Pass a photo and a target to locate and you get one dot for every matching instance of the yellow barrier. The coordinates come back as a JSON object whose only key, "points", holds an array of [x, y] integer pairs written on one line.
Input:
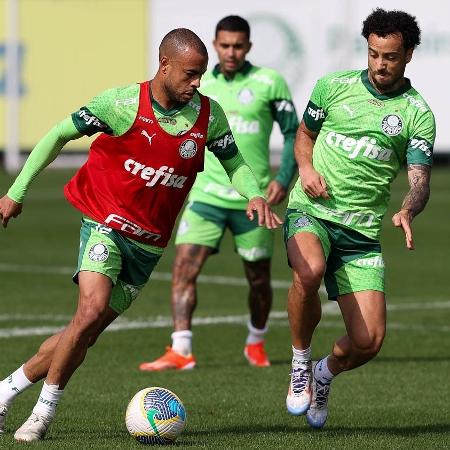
{"points": [[72, 50]]}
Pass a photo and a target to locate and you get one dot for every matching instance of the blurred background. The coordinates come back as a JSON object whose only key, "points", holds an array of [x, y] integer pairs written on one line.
{"points": [[55, 55]]}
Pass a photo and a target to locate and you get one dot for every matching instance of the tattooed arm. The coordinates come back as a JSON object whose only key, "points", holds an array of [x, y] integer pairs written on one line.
{"points": [[415, 200], [419, 181]]}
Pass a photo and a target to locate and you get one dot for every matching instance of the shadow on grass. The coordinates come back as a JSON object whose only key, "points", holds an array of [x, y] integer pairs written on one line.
{"points": [[406, 358], [121, 440], [382, 359], [329, 431], [281, 362]]}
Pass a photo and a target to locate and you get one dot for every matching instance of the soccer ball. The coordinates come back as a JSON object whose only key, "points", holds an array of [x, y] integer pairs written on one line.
{"points": [[155, 416]]}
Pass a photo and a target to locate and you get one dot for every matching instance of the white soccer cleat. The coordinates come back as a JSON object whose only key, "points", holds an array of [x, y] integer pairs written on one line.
{"points": [[33, 429], [299, 393], [318, 412], [3, 412]]}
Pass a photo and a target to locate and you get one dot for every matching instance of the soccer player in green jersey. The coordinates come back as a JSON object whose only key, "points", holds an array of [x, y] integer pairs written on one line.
{"points": [[357, 131], [253, 98], [112, 266]]}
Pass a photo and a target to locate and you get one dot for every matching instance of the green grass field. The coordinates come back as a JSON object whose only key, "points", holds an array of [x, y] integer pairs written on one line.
{"points": [[400, 400]]}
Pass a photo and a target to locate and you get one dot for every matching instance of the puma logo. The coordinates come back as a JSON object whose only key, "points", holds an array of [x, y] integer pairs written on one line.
{"points": [[350, 111], [144, 133]]}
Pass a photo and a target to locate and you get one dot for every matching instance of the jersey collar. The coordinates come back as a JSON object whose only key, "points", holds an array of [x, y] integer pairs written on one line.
{"points": [[244, 70], [401, 90], [167, 112]]}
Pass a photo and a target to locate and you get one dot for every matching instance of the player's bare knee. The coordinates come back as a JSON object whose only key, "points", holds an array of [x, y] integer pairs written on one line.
{"points": [[377, 343], [45, 350], [87, 318], [259, 282], [369, 346], [185, 271], [307, 282], [92, 340]]}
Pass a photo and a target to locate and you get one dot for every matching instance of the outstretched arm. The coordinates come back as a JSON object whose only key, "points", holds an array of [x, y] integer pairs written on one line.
{"points": [[415, 200], [46, 150]]}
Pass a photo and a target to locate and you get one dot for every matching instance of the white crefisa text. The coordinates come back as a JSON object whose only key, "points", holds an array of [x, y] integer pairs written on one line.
{"points": [[164, 175]]}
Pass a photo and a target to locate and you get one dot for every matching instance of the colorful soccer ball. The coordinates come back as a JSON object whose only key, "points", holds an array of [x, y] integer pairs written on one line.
{"points": [[155, 416]]}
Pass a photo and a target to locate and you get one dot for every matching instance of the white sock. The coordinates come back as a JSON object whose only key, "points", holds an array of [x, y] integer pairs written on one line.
{"points": [[301, 356], [182, 342], [255, 335], [13, 385], [322, 372], [48, 400]]}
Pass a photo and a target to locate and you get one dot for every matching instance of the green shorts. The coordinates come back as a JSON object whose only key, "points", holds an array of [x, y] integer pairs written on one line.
{"points": [[128, 265], [204, 224], [354, 261]]}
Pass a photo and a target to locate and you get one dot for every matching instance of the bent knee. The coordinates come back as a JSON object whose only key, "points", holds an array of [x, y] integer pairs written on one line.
{"points": [[185, 271], [259, 281], [88, 316], [308, 279], [92, 340], [261, 286], [369, 346]]}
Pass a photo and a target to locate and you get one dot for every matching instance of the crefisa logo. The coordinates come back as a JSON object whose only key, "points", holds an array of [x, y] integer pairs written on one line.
{"points": [[188, 148], [392, 125]]}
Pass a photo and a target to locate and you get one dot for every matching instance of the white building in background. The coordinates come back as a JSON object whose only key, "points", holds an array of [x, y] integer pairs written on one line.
{"points": [[62, 64]]}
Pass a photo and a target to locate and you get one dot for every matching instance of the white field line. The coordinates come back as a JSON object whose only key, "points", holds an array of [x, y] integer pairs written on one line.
{"points": [[204, 279], [277, 318], [160, 276], [8, 333], [39, 270], [59, 318], [328, 309]]}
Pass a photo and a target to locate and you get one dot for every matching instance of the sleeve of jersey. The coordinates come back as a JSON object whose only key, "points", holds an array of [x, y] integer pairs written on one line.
{"points": [[241, 177], [419, 148], [284, 113], [315, 111], [45, 151], [97, 116], [220, 139]]}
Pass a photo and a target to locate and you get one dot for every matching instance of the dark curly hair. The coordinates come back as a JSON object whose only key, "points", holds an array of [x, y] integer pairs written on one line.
{"points": [[383, 23]]}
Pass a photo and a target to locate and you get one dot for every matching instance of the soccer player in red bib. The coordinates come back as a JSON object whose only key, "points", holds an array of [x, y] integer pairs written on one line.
{"points": [[130, 191]]}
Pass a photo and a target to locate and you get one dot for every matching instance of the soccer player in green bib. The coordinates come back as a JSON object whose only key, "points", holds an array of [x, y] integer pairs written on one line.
{"points": [[252, 98], [358, 129]]}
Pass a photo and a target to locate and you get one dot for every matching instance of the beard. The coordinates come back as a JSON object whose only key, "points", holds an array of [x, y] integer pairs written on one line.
{"points": [[388, 85], [177, 97]]}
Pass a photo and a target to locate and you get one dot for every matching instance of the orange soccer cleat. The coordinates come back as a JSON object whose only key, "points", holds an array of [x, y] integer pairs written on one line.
{"points": [[256, 355], [170, 360]]}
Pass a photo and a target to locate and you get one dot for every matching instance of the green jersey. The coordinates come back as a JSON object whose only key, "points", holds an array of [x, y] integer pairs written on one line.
{"points": [[252, 101], [364, 138], [114, 112]]}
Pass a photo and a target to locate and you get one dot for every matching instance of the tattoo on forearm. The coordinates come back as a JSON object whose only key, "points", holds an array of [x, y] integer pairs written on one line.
{"points": [[419, 192]]}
